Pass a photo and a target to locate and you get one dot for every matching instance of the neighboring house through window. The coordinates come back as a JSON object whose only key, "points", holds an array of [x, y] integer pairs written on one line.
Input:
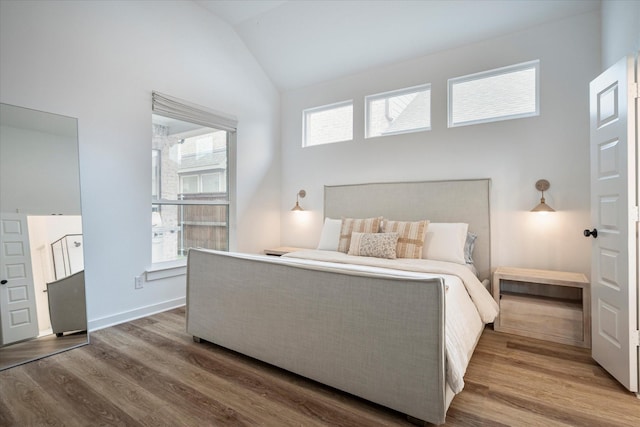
{"points": [[327, 124], [398, 111]]}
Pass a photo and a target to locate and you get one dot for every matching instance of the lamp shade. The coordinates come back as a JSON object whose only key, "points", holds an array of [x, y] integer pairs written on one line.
{"points": [[543, 207]]}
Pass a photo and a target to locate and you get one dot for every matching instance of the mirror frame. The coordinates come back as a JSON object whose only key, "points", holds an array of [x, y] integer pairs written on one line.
{"points": [[27, 201]]}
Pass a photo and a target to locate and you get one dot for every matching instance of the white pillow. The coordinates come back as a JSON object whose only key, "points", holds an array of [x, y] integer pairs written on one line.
{"points": [[445, 241], [330, 235]]}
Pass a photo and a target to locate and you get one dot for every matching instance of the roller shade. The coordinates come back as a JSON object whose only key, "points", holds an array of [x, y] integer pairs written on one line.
{"points": [[179, 109]]}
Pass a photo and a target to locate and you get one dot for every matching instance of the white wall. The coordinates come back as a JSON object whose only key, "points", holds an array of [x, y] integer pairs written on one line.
{"points": [[514, 153], [99, 61], [620, 30], [38, 172]]}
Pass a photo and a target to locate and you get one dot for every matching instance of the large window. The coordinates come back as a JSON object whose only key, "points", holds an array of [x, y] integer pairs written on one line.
{"points": [[505, 93], [327, 124], [190, 184], [399, 111]]}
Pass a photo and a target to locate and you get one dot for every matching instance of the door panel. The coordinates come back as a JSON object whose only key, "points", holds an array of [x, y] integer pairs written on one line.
{"points": [[613, 199], [17, 296]]}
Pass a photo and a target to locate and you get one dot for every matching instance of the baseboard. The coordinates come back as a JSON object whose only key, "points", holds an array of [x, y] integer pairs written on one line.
{"points": [[128, 316]]}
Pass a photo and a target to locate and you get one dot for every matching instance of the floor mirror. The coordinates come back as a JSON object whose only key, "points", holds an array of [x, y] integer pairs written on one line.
{"points": [[42, 287]]}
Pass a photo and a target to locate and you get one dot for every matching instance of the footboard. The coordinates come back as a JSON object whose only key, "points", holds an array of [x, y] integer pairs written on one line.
{"points": [[377, 337]]}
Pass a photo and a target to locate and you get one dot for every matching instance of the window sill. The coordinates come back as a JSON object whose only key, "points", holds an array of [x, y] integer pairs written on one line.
{"points": [[164, 270]]}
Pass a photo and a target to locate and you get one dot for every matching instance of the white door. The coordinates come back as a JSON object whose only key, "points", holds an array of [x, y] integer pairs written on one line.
{"points": [[18, 314], [614, 259]]}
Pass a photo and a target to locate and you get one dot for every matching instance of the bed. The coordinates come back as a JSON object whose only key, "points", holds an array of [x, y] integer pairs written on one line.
{"points": [[398, 332]]}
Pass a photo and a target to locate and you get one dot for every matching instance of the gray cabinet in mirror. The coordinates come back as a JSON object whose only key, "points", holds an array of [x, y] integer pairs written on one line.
{"points": [[42, 288]]}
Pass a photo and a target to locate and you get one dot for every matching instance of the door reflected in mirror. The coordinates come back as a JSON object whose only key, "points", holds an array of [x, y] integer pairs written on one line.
{"points": [[42, 290]]}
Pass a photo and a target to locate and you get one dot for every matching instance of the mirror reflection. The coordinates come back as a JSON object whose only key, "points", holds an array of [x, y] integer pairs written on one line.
{"points": [[42, 289]]}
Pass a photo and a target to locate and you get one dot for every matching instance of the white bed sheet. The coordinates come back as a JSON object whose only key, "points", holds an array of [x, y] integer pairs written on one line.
{"points": [[468, 304]]}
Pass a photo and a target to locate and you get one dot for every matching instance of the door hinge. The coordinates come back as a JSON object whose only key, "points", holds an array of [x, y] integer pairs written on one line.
{"points": [[635, 214], [635, 90], [637, 338]]}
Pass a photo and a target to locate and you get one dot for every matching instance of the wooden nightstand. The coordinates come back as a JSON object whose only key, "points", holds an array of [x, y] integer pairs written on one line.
{"points": [[281, 250], [548, 305]]}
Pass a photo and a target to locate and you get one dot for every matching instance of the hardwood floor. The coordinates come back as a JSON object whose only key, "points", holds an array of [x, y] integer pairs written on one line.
{"points": [[150, 372], [15, 354]]}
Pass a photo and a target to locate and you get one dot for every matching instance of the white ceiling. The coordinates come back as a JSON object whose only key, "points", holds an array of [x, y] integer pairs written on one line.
{"points": [[302, 42]]}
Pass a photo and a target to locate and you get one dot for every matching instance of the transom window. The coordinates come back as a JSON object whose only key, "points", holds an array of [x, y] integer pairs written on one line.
{"points": [[398, 111], [327, 124], [505, 93]]}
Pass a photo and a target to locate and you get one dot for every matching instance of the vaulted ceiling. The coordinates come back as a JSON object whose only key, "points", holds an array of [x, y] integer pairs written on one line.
{"points": [[302, 42]]}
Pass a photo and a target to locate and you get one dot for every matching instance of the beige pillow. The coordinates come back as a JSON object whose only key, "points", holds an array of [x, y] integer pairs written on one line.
{"points": [[359, 225], [410, 237], [379, 245]]}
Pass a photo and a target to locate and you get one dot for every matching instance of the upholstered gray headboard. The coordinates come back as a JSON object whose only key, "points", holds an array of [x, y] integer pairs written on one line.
{"points": [[438, 201]]}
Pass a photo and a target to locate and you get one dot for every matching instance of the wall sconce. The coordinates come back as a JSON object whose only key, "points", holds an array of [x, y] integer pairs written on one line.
{"points": [[301, 194], [542, 185]]}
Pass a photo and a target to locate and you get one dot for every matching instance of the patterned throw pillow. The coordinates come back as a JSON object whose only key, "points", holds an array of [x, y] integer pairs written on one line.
{"points": [[361, 225], [379, 245], [411, 237]]}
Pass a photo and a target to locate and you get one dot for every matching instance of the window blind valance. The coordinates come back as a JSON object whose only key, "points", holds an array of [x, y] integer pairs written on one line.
{"points": [[179, 109]]}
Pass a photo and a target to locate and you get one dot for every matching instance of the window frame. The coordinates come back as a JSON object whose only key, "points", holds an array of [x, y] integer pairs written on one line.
{"points": [[321, 108], [176, 108], [391, 93], [157, 204], [535, 64], [156, 173]]}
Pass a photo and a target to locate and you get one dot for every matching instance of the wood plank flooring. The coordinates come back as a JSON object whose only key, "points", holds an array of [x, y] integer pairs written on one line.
{"points": [[149, 372], [15, 354]]}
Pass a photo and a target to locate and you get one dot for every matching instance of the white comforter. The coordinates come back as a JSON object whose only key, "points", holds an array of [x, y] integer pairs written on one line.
{"points": [[468, 304]]}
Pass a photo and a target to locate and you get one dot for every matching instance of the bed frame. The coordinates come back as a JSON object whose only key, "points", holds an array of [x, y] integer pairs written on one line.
{"points": [[378, 337]]}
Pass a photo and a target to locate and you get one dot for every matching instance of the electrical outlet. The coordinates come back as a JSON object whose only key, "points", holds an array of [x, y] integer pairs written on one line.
{"points": [[138, 282]]}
